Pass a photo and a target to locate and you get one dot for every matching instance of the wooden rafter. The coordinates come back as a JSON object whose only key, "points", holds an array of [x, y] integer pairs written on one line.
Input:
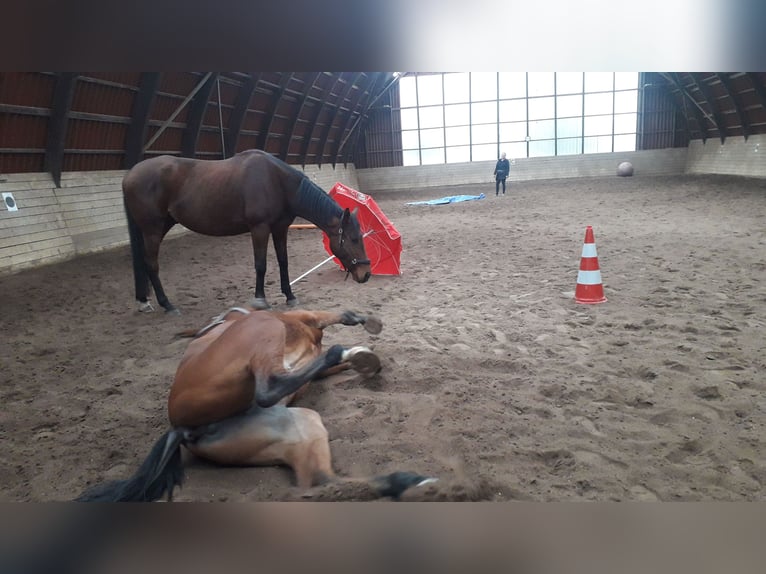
{"points": [[378, 93], [310, 84], [675, 82], [63, 95], [237, 117], [716, 118], [313, 122], [196, 116], [142, 105], [328, 126], [279, 93], [354, 110], [737, 101]]}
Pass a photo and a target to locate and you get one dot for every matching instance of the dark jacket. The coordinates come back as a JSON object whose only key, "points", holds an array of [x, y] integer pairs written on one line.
{"points": [[502, 169]]}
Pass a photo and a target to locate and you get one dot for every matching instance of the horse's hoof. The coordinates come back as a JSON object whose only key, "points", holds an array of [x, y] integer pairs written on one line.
{"points": [[396, 483], [373, 325], [259, 303], [145, 307], [363, 361], [293, 302]]}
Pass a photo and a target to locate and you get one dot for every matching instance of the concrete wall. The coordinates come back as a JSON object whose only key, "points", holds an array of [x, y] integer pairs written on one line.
{"points": [[734, 157], [648, 162], [84, 215], [327, 176]]}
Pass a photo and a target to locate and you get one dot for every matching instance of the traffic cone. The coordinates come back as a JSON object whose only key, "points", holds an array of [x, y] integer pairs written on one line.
{"points": [[589, 289]]}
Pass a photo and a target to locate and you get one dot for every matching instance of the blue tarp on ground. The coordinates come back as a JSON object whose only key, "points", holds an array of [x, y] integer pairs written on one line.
{"points": [[448, 199]]}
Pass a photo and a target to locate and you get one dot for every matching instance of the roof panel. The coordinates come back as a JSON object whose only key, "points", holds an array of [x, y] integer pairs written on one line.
{"points": [[305, 117]]}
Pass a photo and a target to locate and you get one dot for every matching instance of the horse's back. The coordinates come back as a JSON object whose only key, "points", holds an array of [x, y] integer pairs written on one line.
{"points": [[216, 375], [149, 171], [212, 197], [267, 339], [214, 379], [145, 188]]}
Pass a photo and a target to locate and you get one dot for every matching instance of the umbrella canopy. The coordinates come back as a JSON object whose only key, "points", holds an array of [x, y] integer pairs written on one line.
{"points": [[382, 241]]}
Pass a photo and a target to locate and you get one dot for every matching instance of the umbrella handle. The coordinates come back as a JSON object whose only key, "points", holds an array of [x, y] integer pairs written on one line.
{"points": [[315, 267], [330, 258]]}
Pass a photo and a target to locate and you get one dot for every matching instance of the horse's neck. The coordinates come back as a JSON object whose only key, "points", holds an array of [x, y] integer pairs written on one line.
{"points": [[314, 205]]}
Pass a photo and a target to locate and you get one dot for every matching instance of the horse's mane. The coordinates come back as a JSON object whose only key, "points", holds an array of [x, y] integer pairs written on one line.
{"points": [[310, 201], [313, 203]]}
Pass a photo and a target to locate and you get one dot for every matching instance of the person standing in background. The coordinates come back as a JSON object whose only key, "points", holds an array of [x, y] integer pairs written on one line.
{"points": [[502, 169]]}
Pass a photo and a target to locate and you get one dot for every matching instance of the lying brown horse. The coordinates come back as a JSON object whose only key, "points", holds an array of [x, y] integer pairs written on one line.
{"points": [[229, 402], [253, 192]]}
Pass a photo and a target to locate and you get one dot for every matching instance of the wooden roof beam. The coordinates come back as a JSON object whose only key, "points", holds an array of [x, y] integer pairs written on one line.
{"points": [[63, 94], [328, 126], [716, 118], [142, 105], [758, 87], [354, 109], [739, 107], [263, 136], [196, 116], [237, 118], [674, 80], [294, 123], [313, 123], [365, 118], [177, 111]]}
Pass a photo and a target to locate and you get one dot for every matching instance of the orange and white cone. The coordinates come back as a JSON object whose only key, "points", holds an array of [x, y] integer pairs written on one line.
{"points": [[589, 289]]}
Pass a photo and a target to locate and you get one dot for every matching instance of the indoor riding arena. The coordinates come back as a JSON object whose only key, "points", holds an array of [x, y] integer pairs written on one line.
{"points": [[520, 362]]}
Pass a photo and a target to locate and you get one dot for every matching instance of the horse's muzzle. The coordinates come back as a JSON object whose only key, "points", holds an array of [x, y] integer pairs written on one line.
{"points": [[361, 273]]}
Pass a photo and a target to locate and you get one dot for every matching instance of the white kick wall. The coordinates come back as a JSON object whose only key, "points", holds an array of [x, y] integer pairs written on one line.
{"points": [[86, 214]]}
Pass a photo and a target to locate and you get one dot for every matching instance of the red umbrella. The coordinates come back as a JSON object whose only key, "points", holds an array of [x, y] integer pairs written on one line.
{"points": [[382, 241]]}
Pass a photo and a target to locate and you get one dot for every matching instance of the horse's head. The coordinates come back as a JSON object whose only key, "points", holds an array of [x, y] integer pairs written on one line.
{"points": [[347, 244]]}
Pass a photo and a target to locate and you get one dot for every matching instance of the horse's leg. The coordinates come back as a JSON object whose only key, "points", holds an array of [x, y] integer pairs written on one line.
{"points": [[138, 255], [279, 234], [361, 359], [260, 238], [322, 319], [152, 242], [291, 436], [272, 383], [168, 225]]}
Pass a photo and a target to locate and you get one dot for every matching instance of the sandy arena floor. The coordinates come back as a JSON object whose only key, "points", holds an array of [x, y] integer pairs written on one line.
{"points": [[494, 379]]}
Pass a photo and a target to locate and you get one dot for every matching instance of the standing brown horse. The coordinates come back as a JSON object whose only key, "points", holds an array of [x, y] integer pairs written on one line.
{"points": [[250, 192], [229, 402]]}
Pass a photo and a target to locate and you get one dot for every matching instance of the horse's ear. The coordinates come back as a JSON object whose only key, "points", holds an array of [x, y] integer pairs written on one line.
{"points": [[346, 217]]}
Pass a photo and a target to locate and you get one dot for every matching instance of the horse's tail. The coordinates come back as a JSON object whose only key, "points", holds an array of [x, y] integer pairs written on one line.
{"points": [[138, 253], [160, 473]]}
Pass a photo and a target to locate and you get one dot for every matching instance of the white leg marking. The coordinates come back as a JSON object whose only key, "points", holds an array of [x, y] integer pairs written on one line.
{"points": [[145, 307], [348, 353]]}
